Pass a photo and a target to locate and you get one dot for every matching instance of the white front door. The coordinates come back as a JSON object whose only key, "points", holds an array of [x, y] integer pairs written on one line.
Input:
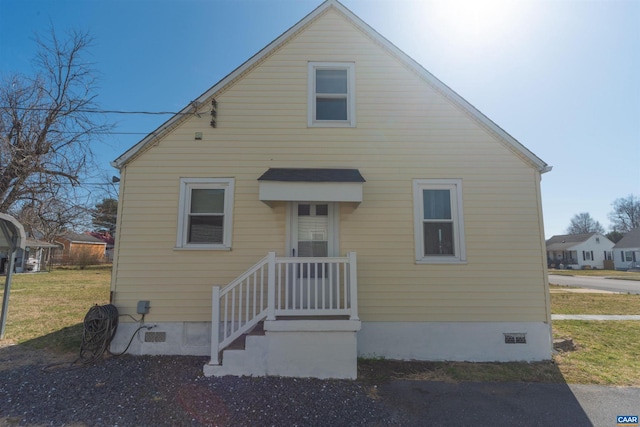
{"points": [[313, 233]]}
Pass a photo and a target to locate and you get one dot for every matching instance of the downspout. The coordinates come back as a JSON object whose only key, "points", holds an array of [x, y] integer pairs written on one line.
{"points": [[116, 244]]}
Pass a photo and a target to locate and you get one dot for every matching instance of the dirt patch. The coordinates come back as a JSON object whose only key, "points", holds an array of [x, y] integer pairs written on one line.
{"points": [[381, 371], [14, 356]]}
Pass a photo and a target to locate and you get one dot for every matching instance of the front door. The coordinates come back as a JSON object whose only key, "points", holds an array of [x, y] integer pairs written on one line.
{"points": [[313, 235]]}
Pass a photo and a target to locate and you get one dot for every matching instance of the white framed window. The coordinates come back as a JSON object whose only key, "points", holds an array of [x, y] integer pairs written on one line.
{"points": [[331, 94], [205, 213], [438, 221]]}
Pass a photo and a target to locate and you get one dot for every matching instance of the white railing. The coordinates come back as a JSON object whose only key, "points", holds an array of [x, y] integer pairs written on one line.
{"points": [[283, 287]]}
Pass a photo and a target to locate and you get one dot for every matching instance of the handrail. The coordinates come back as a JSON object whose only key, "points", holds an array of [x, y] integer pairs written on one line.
{"points": [[285, 286]]}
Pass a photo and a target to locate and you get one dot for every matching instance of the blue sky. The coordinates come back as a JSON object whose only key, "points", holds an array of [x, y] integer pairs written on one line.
{"points": [[562, 77]]}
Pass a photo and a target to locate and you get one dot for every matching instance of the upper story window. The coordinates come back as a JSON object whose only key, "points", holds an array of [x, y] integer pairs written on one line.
{"points": [[439, 225], [206, 213], [331, 94]]}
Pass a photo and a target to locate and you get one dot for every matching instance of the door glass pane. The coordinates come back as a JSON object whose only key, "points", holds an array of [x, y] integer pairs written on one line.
{"points": [[207, 200], [437, 204], [438, 238], [331, 108], [322, 210], [304, 210], [331, 81], [313, 249]]}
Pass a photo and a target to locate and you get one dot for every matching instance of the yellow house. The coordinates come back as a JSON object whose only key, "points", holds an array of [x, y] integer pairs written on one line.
{"points": [[335, 197]]}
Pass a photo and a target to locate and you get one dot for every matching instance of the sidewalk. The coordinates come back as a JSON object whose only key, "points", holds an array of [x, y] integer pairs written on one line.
{"points": [[595, 317]]}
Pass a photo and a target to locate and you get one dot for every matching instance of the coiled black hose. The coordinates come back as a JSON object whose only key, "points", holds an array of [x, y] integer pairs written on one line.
{"points": [[100, 326]]}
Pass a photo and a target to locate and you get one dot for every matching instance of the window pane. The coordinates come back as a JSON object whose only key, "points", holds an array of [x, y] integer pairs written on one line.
{"points": [[205, 229], [438, 238], [437, 204], [331, 109], [322, 210], [207, 201], [304, 210], [331, 81]]}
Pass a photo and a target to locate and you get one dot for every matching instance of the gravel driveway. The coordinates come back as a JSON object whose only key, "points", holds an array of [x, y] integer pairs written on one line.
{"points": [[171, 391]]}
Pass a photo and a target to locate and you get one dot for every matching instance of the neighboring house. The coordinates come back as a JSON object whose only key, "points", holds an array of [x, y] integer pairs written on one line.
{"points": [[34, 257], [626, 253], [109, 240], [37, 255], [77, 248], [579, 251], [336, 190]]}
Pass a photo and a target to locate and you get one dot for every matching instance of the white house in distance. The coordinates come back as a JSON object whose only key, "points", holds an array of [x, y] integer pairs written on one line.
{"points": [[579, 251], [626, 253], [335, 199]]}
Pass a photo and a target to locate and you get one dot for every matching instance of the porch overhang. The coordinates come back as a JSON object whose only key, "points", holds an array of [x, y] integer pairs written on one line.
{"points": [[311, 185]]}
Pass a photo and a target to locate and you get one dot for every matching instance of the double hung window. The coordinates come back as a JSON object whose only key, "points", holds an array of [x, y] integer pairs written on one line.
{"points": [[331, 94], [438, 221], [205, 215]]}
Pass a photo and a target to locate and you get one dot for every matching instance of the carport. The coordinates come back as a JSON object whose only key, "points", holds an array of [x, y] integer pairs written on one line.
{"points": [[12, 238]]}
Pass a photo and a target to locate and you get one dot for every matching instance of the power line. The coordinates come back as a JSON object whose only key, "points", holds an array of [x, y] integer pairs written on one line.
{"points": [[97, 111]]}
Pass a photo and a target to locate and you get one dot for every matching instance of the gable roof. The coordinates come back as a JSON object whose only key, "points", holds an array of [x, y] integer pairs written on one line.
{"points": [[204, 99], [565, 241], [81, 238], [630, 240], [34, 243]]}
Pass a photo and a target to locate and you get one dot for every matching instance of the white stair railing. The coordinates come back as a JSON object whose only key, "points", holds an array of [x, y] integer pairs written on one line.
{"points": [[282, 287]]}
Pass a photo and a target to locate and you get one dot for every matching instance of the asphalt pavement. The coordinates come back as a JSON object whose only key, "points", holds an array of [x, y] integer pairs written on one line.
{"points": [[601, 283], [435, 403]]}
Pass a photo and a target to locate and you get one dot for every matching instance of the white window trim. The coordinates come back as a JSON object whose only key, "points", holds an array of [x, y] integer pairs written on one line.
{"points": [[188, 184], [351, 99], [455, 186]]}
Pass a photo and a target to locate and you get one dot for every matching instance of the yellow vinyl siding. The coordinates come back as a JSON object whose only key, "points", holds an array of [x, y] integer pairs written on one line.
{"points": [[405, 130]]}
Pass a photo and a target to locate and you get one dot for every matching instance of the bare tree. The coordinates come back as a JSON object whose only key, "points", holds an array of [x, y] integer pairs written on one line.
{"points": [[51, 217], [47, 122], [626, 213], [582, 223]]}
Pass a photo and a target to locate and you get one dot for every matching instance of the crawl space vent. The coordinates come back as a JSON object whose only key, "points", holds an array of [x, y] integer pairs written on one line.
{"points": [[515, 338], [155, 337]]}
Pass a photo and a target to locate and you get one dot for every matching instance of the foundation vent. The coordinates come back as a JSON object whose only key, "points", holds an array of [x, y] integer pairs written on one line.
{"points": [[515, 338], [155, 337]]}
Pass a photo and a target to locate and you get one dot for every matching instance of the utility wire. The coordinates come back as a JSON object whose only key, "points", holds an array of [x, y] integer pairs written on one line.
{"points": [[90, 110]]}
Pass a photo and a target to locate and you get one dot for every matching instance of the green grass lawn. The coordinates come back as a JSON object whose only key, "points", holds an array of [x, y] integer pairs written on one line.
{"points": [[46, 310], [576, 303], [607, 352]]}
